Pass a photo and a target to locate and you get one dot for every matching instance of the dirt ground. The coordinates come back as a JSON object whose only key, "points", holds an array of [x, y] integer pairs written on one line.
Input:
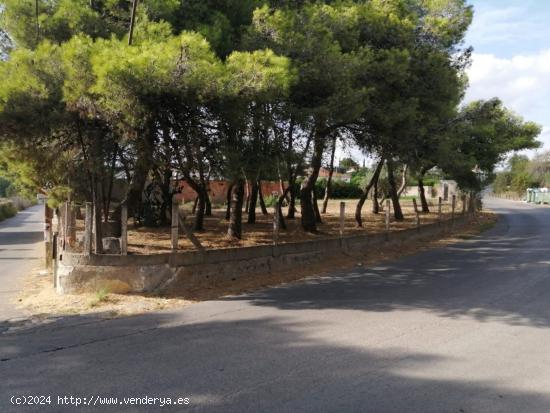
{"points": [[41, 302], [144, 240]]}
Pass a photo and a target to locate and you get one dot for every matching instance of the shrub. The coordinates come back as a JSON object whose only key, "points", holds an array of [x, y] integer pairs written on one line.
{"points": [[21, 203], [270, 201], [4, 184], [7, 210], [340, 190]]}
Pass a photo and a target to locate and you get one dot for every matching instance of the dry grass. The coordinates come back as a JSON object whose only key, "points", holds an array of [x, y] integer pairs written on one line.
{"points": [[40, 301]]}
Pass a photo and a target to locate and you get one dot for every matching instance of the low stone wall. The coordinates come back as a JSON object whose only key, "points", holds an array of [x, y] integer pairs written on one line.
{"points": [[78, 273]]}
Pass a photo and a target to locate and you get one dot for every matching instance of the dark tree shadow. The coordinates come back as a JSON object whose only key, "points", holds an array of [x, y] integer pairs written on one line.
{"points": [[246, 365]]}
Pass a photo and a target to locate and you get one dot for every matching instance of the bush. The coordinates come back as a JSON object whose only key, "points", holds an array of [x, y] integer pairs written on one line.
{"points": [[340, 190], [4, 184], [270, 201], [21, 203], [7, 210]]}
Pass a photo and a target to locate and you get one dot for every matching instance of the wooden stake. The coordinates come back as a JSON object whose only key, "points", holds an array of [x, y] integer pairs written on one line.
{"points": [[174, 234], [388, 207], [88, 229], [453, 206], [416, 215], [124, 229], [276, 223], [342, 217]]}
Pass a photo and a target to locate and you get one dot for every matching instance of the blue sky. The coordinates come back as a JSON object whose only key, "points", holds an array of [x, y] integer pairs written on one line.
{"points": [[511, 40], [511, 60]]}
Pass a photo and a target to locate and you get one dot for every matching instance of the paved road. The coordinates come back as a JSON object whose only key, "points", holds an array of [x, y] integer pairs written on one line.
{"points": [[20, 250], [460, 329]]}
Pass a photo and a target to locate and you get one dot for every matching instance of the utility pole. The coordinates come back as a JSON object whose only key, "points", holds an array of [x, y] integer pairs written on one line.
{"points": [[132, 22]]}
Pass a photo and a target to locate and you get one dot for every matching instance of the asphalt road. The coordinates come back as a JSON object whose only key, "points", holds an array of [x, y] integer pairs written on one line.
{"points": [[20, 251], [460, 329]]}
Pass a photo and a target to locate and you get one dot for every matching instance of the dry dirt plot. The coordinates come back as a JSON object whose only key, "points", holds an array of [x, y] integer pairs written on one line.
{"points": [[144, 240]]}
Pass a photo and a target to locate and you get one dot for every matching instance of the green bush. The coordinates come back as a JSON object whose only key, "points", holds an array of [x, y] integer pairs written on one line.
{"points": [[4, 184], [340, 190], [270, 201], [7, 210]]}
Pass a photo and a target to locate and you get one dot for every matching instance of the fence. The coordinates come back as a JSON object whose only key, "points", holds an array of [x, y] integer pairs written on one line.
{"points": [[78, 272]]}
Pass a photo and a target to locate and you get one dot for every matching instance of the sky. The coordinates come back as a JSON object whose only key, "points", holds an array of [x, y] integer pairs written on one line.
{"points": [[511, 60]]}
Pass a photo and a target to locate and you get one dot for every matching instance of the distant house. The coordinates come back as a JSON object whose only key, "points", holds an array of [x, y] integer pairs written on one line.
{"points": [[447, 188]]}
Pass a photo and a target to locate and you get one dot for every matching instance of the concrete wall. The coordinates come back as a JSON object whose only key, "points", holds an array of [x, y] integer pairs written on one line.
{"points": [[413, 191], [146, 273]]}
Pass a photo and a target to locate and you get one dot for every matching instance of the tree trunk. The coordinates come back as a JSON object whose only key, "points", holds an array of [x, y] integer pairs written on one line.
{"points": [[235, 220], [398, 214], [252, 203], [109, 194], [291, 213], [365, 194], [282, 223], [166, 197], [328, 186], [309, 219], [403, 180], [316, 207], [247, 203], [142, 168], [228, 206], [195, 204], [261, 197], [422, 193], [98, 236], [200, 210], [375, 205], [208, 202]]}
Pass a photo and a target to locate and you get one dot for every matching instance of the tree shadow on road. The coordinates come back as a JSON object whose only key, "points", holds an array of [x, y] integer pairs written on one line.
{"points": [[491, 277], [248, 365]]}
